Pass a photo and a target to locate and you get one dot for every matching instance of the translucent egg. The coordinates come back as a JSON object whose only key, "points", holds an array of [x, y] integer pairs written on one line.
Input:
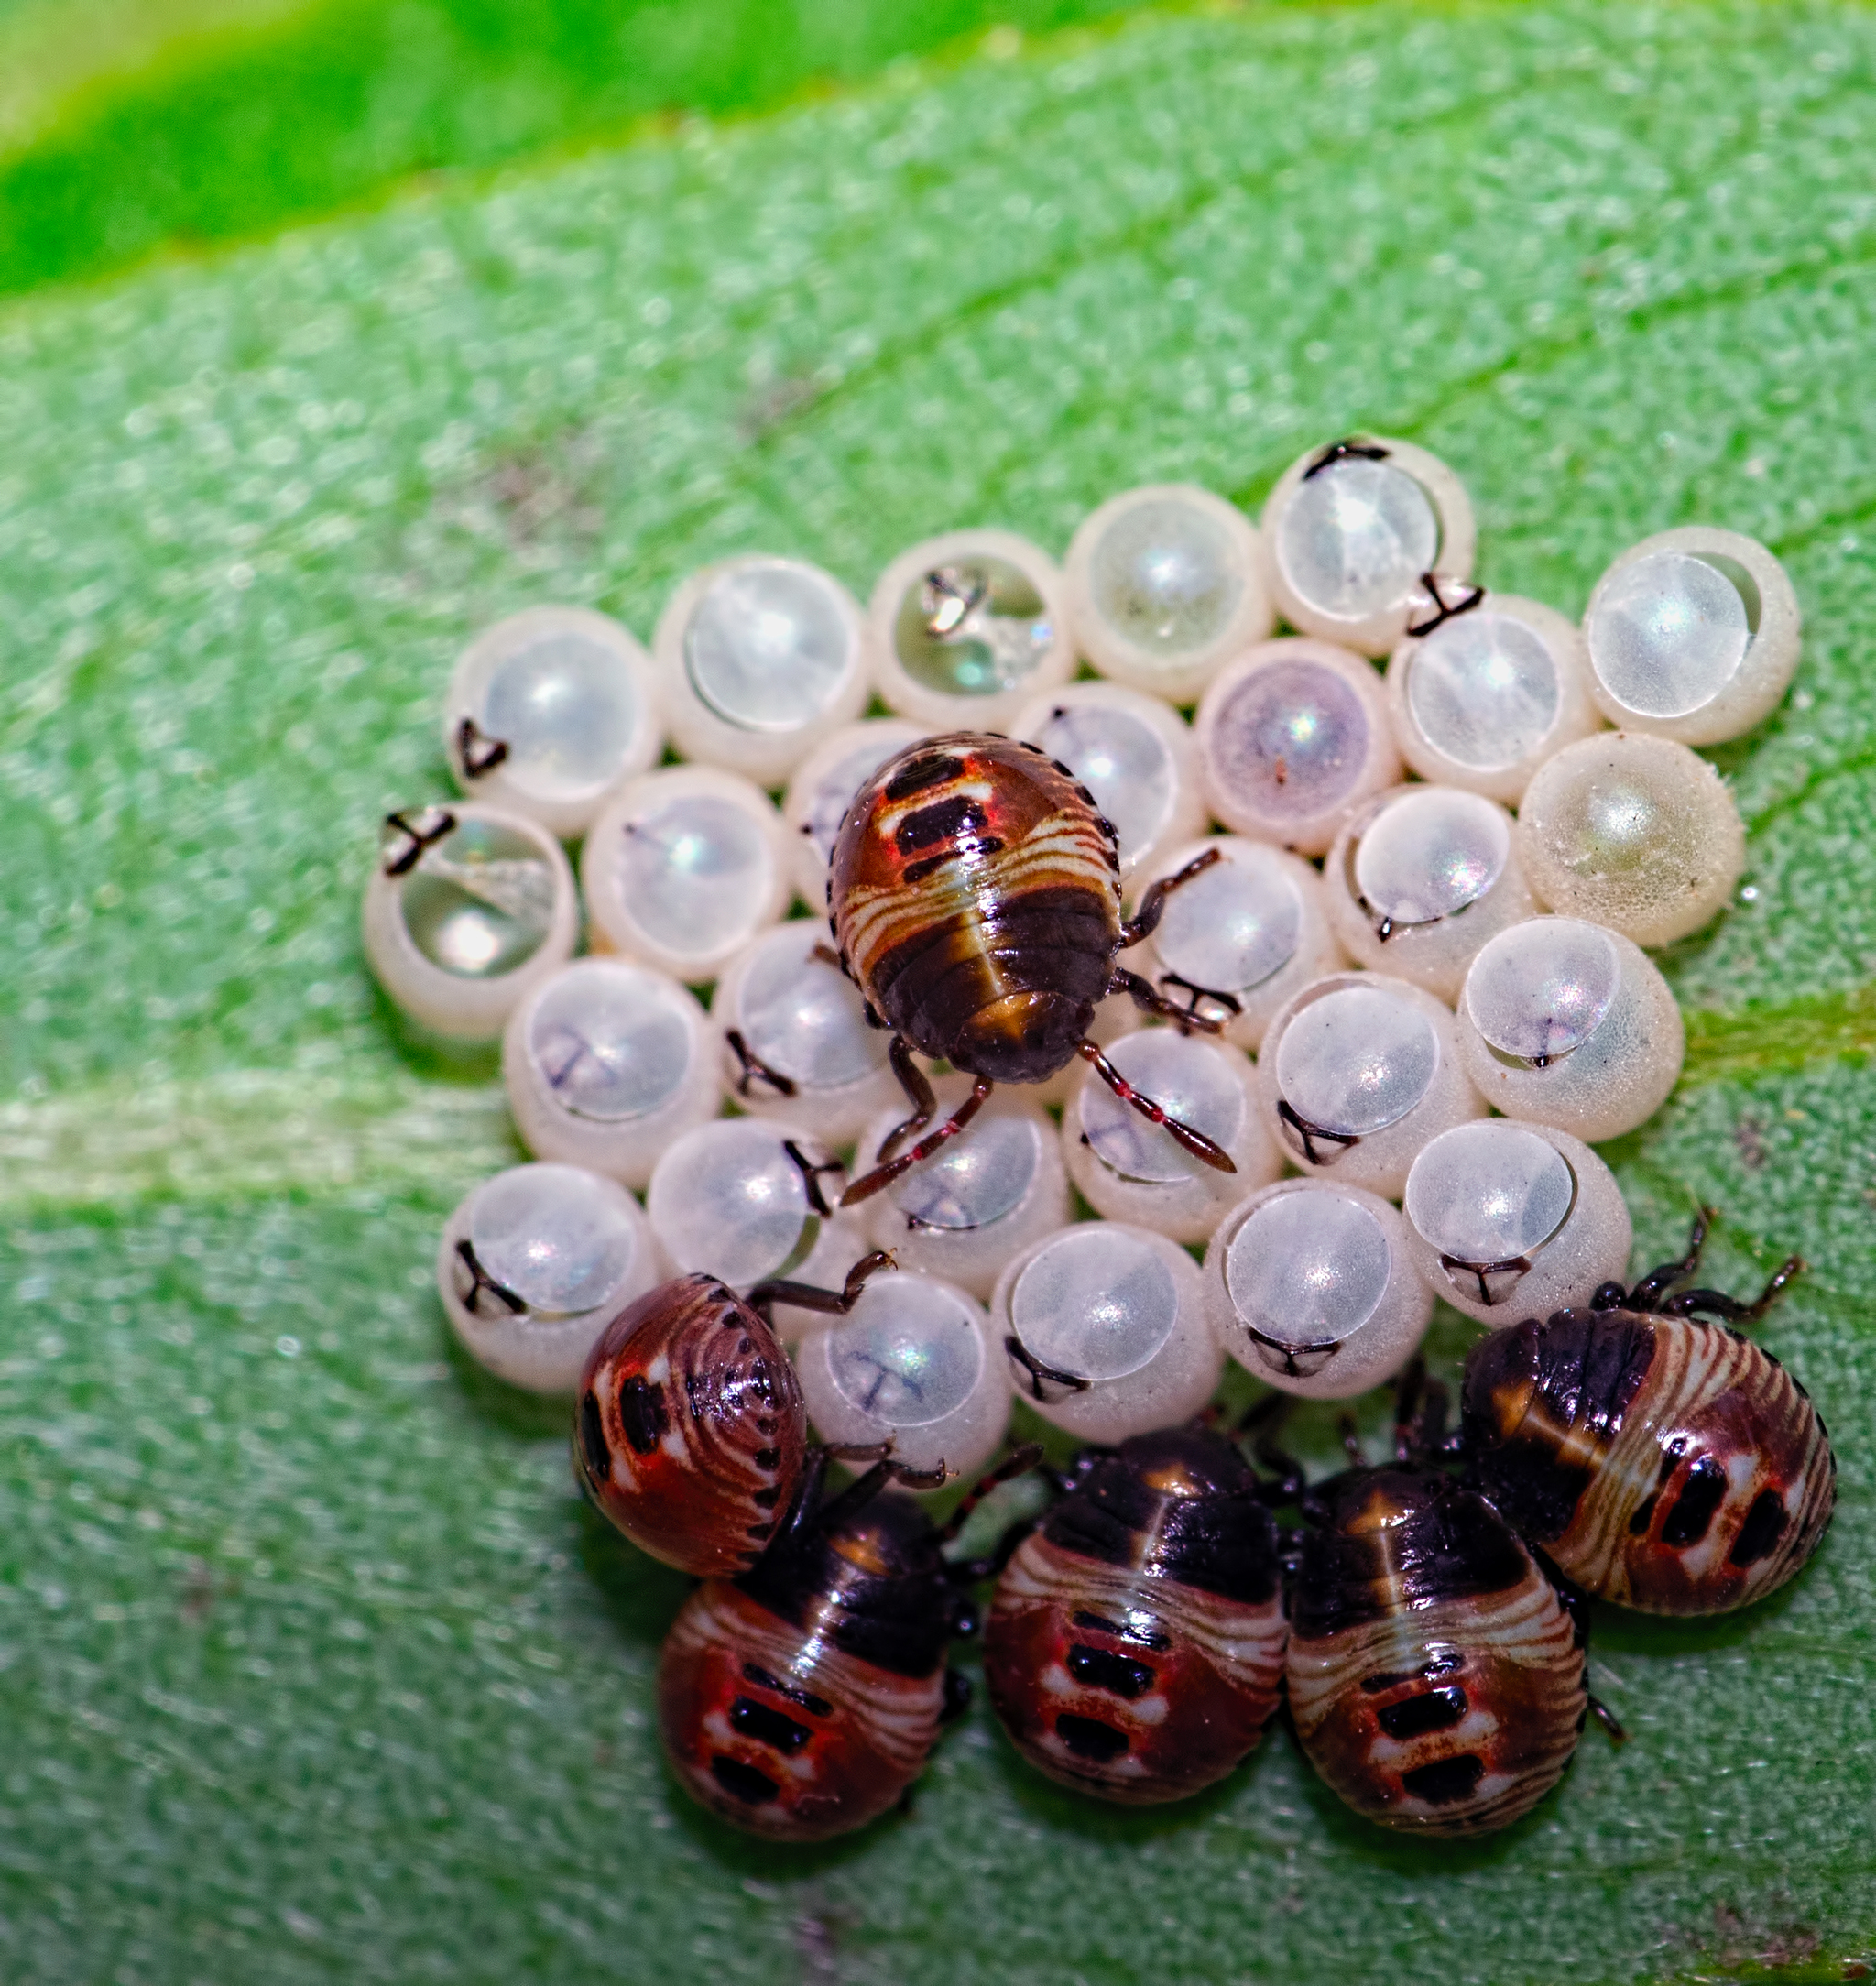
{"points": [[1128, 1168], [1632, 832], [795, 1036], [1420, 878], [756, 657], [1164, 583], [549, 713], [1108, 1329], [823, 788], [985, 1193], [731, 1199], [913, 1363], [467, 911], [1133, 753], [1511, 1220], [683, 868], [967, 627], [1566, 1024], [1693, 635], [1485, 696], [1311, 1286], [535, 1263], [1350, 530], [1357, 1072], [1251, 930], [1292, 738], [605, 1064]]}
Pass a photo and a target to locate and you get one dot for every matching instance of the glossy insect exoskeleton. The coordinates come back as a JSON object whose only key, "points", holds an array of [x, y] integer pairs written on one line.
{"points": [[801, 1700], [1659, 1459], [975, 896], [689, 1429], [1135, 1645], [1435, 1673]]}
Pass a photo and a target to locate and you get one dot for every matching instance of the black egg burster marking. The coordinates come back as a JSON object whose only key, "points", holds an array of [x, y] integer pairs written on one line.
{"points": [[1659, 1459], [690, 1433], [975, 896], [800, 1700], [1435, 1672], [1135, 1645]]}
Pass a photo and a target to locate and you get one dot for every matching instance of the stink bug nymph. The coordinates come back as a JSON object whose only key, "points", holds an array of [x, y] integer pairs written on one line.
{"points": [[689, 1429], [1660, 1460], [975, 896], [1435, 1671], [1135, 1645], [800, 1700]]}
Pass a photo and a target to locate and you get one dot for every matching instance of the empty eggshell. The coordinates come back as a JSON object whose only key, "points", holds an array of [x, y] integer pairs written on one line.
{"points": [[535, 1263], [967, 627], [756, 657], [1358, 1071], [549, 713], [752, 1198], [1128, 1168], [914, 1364], [1351, 530], [1480, 699], [1249, 931], [467, 910], [1693, 634], [605, 1064], [1311, 1286], [1509, 1220], [984, 1194], [1566, 1024], [1105, 1330], [683, 868], [795, 1037], [1420, 878]]}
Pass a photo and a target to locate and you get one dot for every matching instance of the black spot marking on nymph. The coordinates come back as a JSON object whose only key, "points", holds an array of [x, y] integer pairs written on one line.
{"points": [[642, 1414], [1088, 1738], [942, 820], [766, 1498], [1127, 1630], [1445, 1779], [916, 872], [767, 1726], [1693, 1510], [742, 1781], [1101, 1668], [767, 1459], [922, 773], [1439, 1709], [1440, 1665], [1644, 1514], [592, 1448], [753, 1672], [1763, 1527]]}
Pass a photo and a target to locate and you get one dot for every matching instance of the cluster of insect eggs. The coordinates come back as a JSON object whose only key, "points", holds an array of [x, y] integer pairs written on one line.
{"points": [[1470, 943]]}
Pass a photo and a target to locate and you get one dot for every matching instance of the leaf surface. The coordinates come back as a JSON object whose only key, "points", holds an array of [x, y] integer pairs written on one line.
{"points": [[311, 1664]]}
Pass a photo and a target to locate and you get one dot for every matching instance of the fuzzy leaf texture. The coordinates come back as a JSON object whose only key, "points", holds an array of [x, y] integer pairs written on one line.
{"points": [[313, 1666]]}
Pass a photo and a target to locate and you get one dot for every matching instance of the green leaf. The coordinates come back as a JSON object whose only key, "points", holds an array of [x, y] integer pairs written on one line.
{"points": [[299, 106], [312, 1666]]}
